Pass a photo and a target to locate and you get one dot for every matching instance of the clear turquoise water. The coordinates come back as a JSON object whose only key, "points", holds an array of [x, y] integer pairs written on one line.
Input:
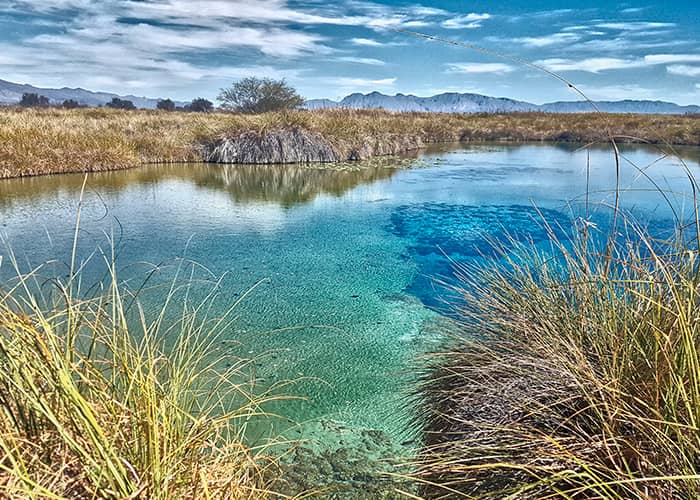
{"points": [[347, 257]]}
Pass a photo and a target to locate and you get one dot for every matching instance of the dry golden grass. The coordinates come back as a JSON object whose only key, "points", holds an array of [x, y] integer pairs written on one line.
{"points": [[42, 141], [97, 403], [576, 373]]}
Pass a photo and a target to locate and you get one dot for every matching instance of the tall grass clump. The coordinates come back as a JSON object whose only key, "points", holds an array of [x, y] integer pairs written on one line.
{"points": [[98, 401], [576, 372]]}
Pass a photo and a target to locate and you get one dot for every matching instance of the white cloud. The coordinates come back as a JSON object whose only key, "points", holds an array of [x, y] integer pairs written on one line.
{"points": [[548, 40], [684, 70], [624, 91], [671, 58], [197, 12], [264, 11], [363, 60], [205, 11], [633, 10], [48, 5], [544, 14], [598, 64], [621, 44], [552, 13], [578, 27], [84, 60], [591, 65], [389, 21], [634, 25], [416, 24], [470, 21], [428, 11], [182, 46], [367, 42], [216, 26], [94, 50], [363, 82], [168, 49], [479, 68], [134, 75], [146, 38]]}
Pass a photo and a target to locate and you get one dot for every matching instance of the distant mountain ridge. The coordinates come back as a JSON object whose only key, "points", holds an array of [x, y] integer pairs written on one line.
{"points": [[11, 93], [453, 102], [450, 102]]}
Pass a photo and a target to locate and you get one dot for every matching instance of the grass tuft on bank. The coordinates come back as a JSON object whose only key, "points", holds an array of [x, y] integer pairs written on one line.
{"points": [[43, 141], [97, 401], [576, 372]]}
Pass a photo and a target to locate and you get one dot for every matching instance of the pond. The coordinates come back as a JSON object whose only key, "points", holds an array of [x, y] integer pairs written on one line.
{"points": [[339, 263]]}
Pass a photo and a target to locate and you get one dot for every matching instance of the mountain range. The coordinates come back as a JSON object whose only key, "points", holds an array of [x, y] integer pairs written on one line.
{"points": [[453, 102], [450, 102], [11, 93]]}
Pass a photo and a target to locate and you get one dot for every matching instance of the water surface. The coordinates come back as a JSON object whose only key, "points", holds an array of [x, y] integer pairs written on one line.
{"points": [[345, 258]]}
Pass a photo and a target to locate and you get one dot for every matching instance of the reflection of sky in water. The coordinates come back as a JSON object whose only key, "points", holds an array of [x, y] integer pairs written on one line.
{"points": [[347, 255]]}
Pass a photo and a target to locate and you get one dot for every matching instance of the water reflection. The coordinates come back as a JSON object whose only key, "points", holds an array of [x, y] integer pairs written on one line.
{"points": [[286, 185], [289, 185], [26, 189]]}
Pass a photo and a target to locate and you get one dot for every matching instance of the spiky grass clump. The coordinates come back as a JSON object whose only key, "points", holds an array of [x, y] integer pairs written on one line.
{"points": [[96, 405], [577, 374]]}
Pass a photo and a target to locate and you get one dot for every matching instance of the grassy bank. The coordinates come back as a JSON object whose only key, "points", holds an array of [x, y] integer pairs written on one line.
{"points": [[576, 372], [93, 408], [36, 141]]}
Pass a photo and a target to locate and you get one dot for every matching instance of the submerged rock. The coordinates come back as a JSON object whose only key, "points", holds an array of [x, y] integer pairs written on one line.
{"points": [[340, 462], [275, 146]]}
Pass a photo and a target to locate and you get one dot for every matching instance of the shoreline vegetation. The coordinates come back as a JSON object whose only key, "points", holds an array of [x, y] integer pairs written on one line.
{"points": [[45, 141], [100, 400], [575, 372]]}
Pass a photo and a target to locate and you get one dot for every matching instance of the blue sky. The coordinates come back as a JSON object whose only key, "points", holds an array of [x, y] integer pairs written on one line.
{"points": [[188, 48]]}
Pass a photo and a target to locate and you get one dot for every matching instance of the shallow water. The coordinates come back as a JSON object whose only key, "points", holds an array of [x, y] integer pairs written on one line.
{"points": [[345, 257]]}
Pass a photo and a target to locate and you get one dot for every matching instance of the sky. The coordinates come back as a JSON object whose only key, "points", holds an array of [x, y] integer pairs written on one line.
{"points": [[183, 49]]}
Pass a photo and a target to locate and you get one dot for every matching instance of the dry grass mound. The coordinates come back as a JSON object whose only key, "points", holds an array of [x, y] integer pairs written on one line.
{"points": [[576, 374]]}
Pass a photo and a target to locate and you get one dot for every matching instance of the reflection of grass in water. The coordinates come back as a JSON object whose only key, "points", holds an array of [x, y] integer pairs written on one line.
{"points": [[32, 188], [285, 184], [95, 404]]}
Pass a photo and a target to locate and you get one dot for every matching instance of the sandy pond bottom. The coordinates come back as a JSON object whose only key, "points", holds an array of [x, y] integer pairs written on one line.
{"points": [[344, 262]]}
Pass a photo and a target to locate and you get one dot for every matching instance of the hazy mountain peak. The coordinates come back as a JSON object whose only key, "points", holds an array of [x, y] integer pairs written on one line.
{"points": [[455, 102]]}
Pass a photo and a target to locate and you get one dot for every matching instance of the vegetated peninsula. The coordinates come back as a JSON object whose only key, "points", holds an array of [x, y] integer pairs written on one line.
{"points": [[49, 140]]}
